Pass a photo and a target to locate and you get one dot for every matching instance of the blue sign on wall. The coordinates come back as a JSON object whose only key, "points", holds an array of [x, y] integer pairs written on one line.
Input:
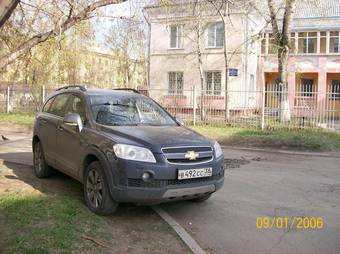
{"points": [[233, 72]]}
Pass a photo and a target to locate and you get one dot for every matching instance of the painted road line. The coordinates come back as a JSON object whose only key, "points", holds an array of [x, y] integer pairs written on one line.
{"points": [[184, 235]]}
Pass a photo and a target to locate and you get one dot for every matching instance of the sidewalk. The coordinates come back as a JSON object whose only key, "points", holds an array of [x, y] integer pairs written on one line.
{"points": [[17, 149]]}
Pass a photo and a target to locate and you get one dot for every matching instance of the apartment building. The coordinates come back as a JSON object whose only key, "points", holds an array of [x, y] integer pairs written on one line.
{"points": [[314, 61], [178, 35]]}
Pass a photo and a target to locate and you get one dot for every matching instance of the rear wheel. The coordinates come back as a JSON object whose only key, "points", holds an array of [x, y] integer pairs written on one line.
{"points": [[41, 169], [96, 191], [202, 198]]}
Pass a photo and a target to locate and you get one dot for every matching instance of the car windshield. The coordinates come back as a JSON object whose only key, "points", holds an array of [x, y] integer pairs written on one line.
{"points": [[124, 110]]}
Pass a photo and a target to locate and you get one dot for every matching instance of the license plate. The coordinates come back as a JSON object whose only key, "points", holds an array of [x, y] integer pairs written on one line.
{"points": [[194, 173]]}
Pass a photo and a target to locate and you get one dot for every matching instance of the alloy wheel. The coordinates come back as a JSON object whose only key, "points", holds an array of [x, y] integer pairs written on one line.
{"points": [[38, 158], [94, 188]]}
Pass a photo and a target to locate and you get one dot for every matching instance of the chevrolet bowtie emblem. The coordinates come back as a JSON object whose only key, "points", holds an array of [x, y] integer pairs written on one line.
{"points": [[191, 155]]}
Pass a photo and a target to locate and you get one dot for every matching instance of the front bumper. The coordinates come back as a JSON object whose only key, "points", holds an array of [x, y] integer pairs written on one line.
{"points": [[164, 186]]}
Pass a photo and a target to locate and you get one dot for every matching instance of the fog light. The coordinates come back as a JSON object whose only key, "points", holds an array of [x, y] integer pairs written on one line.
{"points": [[146, 176]]}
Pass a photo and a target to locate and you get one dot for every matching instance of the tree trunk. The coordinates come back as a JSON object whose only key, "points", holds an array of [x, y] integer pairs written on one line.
{"points": [[199, 58], [226, 67], [282, 41], [283, 54]]}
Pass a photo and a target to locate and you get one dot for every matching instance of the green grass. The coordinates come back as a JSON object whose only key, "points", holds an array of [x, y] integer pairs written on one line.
{"points": [[41, 223], [26, 120], [299, 139]]}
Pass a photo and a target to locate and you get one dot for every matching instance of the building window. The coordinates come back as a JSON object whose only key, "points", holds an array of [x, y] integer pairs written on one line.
{"points": [[323, 42], [263, 44], [272, 47], [307, 87], [307, 42], [215, 35], [175, 82], [213, 82], [335, 90], [292, 48], [334, 42], [176, 36]]}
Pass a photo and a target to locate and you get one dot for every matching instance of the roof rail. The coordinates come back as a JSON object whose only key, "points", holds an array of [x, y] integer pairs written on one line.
{"points": [[82, 88], [127, 89]]}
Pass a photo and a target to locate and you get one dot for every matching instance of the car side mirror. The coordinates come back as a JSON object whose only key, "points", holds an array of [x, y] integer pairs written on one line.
{"points": [[179, 121], [73, 121]]}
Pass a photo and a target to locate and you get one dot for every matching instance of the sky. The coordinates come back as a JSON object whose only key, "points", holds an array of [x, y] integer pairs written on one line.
{"points": [[102, 25]]}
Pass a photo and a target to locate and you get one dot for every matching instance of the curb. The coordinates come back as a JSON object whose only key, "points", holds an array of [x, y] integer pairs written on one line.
{"points": [[184, 235], [253, 149]]}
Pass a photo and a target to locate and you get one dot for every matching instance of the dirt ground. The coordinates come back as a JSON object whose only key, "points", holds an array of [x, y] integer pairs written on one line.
{"points": [[133, 229]]}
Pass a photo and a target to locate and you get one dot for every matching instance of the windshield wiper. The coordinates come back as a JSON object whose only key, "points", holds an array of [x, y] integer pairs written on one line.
{"points": [[123, 124], [111, 104]]}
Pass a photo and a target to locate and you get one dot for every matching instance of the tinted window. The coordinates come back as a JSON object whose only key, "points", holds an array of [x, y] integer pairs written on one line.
{"points": [[77, 106], [59, 105], [48, 105]]}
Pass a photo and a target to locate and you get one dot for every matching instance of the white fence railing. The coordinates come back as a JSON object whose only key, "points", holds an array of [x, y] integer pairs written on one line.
{"points": [[258, 109]]}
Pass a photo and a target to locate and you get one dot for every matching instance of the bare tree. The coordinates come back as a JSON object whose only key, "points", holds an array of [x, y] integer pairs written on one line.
{"points": [[63, 22], [282, 41], [222, 8], [126, 40]]}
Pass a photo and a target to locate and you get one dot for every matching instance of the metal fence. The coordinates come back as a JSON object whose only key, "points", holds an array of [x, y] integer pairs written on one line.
{"points": [[257, 109]]}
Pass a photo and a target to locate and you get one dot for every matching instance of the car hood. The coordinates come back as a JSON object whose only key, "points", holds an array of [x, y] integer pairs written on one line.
{"points": [[155, 137]]}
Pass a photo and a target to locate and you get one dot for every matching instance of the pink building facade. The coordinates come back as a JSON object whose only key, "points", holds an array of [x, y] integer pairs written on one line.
{"points": [[314, 62]]}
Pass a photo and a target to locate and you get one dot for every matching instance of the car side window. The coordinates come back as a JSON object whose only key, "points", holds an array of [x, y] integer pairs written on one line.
{"points": [[59, 104], [77, 106], [47, 105]]}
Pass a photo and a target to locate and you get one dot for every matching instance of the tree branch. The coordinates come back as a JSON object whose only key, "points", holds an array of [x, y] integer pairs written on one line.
{"points": [[42, 37], [273, 18], [287, 20], [7, 11]]}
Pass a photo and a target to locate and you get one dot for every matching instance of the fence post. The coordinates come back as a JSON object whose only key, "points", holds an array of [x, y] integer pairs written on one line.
{"points": [[263, 108], [7, 101], [42, 94], [194, 104]]}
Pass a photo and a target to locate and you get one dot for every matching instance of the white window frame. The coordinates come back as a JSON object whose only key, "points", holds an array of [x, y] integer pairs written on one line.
{"points": [[215, 34], [176, 90], [179, 36], [212, 91], [307, 38], [332, 36]]}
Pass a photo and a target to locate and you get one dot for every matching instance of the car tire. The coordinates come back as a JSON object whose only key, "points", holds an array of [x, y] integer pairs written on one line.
{"points": [[41, 168], [201, 198], [96, 191]]}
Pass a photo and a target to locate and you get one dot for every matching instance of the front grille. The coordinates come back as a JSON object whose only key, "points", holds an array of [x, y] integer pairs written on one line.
{"points": [[156, 183], [177, 155], [185, 149]]}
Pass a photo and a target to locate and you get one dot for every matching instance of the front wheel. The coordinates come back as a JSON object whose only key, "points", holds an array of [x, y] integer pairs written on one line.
{"points": [[41, 169], [96, 191]]}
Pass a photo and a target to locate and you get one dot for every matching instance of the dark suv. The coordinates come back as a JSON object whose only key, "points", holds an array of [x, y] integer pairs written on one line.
{"points": [[123, 147]]}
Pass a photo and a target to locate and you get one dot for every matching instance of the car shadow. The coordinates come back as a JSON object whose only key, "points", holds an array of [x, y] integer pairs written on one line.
{"points": [[58, 182]]}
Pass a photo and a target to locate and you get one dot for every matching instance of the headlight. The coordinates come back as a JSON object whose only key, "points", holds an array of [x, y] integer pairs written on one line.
{"points": [[134, 153], [218, 150]]}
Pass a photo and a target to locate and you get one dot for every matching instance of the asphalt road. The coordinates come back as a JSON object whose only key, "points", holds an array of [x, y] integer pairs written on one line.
{"points": [[271, 185], [257, 184]]}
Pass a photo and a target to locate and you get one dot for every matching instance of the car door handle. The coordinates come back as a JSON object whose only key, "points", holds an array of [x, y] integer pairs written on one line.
{"points": [[60, 128]]}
